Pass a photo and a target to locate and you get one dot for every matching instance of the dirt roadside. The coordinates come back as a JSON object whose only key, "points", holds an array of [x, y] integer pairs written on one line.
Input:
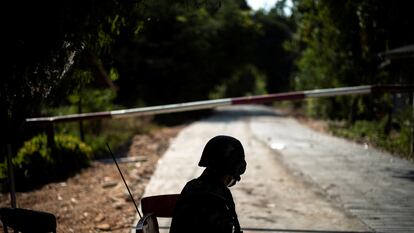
{"points": [[96, 200]]}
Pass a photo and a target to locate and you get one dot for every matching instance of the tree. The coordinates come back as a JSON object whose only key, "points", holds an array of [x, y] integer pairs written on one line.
{"points": [[43, 42], [338, 43], [182, 54], [47, 42], [270, 54]]}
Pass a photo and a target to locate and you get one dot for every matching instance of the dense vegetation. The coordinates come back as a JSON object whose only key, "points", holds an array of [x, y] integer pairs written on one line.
{"points": [[72, 57], [36, 163], [81, 56], [339, 43]]}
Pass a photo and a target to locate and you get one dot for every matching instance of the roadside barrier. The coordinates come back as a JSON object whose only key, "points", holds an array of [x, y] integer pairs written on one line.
{"points": [[207, 104], [48, 122]]}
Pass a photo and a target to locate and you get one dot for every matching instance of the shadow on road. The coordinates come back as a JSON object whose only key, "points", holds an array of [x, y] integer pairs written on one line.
{"points": [[409, 175], [291, 230], [231, 114]]}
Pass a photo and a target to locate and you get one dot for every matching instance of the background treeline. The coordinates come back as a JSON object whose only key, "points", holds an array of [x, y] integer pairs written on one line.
{"points": [[342, 43], [67, 57], [179, 54], [84, 56]]}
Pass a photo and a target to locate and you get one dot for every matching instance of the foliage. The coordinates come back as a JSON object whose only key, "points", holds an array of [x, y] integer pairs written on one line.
{"points": [[245, 81], [271, 57], [83, 56], [44, 42], [319, 108], [37, 164], [117, 133], [182, 49], [98, 132], [338, 45], [373, 133], [182, 55]]}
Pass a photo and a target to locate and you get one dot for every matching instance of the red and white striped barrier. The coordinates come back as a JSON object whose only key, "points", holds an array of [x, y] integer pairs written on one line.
{"points": [[198, 105]]}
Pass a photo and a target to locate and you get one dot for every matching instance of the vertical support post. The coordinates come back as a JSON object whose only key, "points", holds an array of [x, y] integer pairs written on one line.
{"points": [[11, 176], [81, 131], [50, 132], [412, 125]]}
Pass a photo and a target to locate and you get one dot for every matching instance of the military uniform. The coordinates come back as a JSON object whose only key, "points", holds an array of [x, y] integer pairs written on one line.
{"points": [[205, 205]]}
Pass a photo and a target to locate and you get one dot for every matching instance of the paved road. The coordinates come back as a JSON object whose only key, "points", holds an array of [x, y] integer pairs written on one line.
{"points": [[296, 178]]}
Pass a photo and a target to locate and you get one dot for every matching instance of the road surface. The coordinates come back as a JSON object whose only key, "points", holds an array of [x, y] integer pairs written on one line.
{"points": [[296, 179]]}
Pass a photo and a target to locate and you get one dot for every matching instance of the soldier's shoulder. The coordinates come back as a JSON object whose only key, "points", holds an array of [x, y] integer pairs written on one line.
{"points": [[202, 188]]}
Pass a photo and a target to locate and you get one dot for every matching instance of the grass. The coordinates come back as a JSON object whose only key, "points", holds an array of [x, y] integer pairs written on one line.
{"points": [[116, 132], [396, 140]]}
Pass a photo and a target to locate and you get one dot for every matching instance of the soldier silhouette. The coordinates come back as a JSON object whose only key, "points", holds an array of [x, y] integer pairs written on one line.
{"points": [[206, 203]]}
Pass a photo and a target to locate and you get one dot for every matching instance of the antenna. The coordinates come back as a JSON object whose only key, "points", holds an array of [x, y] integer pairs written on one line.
{"points": [[132, 198]]}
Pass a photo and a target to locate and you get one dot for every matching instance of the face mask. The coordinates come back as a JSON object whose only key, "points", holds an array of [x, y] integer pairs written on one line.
{"points": [[232, 182]]}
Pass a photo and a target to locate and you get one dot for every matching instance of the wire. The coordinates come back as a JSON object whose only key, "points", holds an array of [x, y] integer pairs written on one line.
{"points": [[126, 185]]}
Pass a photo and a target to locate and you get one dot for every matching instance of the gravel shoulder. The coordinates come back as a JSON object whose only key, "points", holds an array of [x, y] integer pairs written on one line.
{"points": [[96, 200]]}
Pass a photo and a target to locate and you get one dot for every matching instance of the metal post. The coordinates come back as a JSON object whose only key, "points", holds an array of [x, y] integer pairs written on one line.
{"points": [[11, 176], [50, 132], [412, 125], [81, 132]]}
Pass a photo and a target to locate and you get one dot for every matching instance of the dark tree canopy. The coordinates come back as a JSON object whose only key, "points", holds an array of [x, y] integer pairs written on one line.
{"points": [[155, 52]]}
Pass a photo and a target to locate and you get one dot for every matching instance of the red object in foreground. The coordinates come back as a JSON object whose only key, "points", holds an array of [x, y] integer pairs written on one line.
{"points": [[160, 206]]}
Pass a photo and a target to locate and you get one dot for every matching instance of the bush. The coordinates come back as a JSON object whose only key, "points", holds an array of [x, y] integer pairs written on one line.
{"points": [[35, 164], [72, 154], [373, 132], [247, 80]]}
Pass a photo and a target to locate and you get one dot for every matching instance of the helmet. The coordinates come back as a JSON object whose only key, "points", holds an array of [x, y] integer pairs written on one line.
{"points": [[225, 155]]}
